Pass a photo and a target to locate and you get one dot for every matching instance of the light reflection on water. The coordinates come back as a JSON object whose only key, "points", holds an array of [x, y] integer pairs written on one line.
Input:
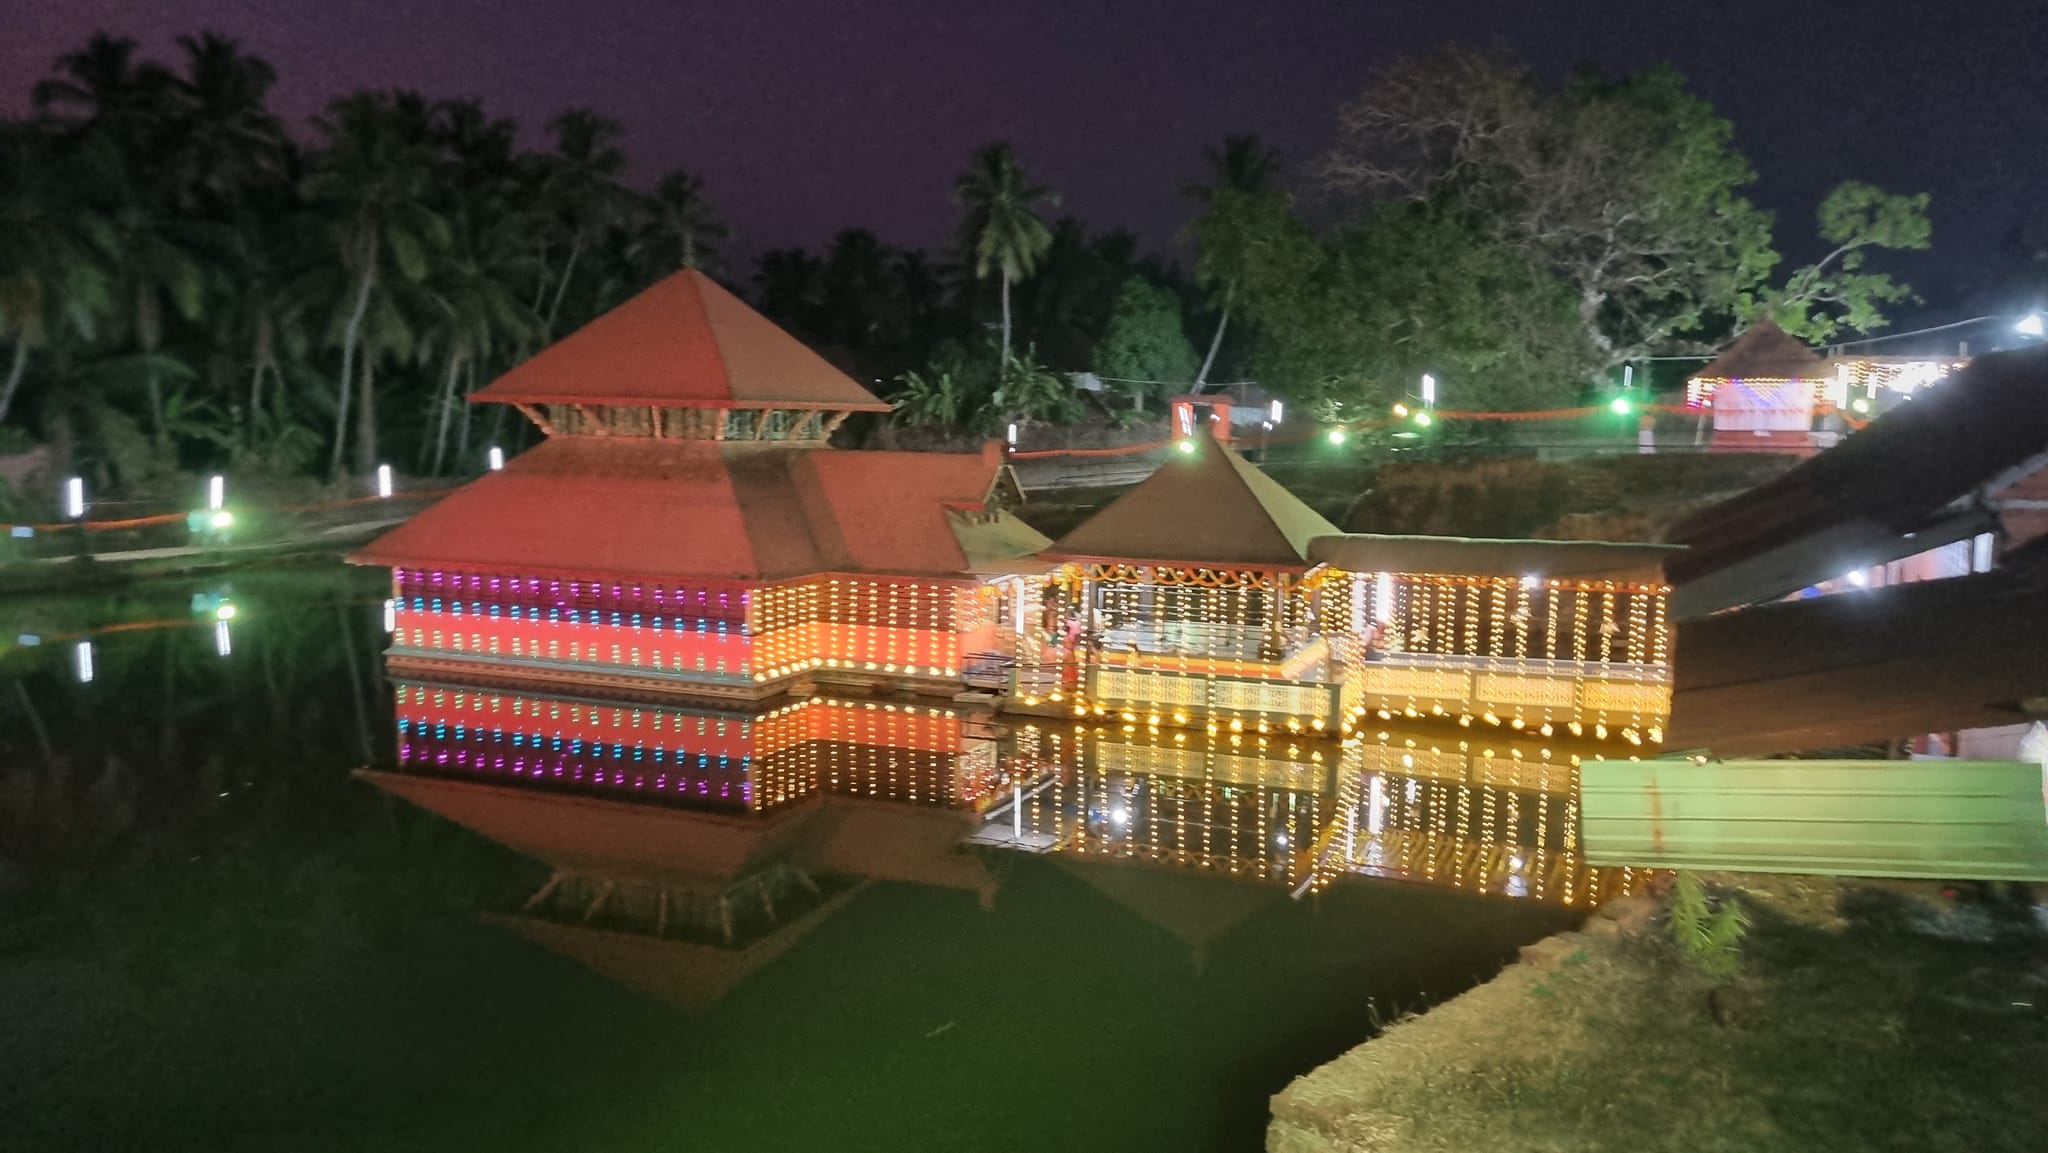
{"points": [[883, 912]]}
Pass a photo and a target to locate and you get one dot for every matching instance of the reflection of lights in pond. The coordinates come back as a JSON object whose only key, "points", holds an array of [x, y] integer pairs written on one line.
{"points": [[82, 660], [222, 642]]}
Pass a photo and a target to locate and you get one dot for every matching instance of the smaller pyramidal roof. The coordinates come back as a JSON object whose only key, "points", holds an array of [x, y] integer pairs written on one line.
{"points": [[683, 342], [1765, 352], [1206, 507]]}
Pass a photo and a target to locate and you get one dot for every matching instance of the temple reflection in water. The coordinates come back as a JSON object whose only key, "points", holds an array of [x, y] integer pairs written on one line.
{"points": [[688, 844]]}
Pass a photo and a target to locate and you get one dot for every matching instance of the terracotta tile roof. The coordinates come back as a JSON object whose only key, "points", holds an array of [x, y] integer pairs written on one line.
{"points": [[703, 509], [1765, 351], [649, 843], [1210, 506], [1912, 462], [684, 342]]}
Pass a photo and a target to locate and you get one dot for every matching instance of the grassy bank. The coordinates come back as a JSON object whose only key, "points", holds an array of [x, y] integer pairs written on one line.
{"points": [[1862, 1017]]}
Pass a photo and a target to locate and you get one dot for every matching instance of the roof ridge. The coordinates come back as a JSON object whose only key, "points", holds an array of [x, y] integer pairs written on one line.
{"points": [[1174, 515]]}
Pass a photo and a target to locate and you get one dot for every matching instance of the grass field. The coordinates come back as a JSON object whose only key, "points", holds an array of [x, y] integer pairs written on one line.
{"points": [[1862, 1018]]}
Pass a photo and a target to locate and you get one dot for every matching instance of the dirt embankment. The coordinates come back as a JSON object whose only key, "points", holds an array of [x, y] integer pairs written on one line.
{"points": [[1590, 498]]}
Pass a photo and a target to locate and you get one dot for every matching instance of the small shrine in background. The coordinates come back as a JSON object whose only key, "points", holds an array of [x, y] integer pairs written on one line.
{"points": [[1763, 392], [1769, 392]]}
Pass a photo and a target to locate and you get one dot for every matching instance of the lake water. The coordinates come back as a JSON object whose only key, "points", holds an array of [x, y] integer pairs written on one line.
{"points": [[216, 934]]}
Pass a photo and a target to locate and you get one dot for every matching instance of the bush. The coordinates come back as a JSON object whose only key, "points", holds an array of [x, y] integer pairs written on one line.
{"points": [[1708, 933]]}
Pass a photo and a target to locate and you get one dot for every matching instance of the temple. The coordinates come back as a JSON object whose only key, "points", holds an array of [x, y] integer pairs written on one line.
{"points": [[1211, 595], [684, 528], [685, 524]]}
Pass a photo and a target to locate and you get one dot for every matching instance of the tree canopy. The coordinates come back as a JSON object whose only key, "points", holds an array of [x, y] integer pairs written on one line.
{"points": [[183, 285], [1145, 346], [1521, 238]]}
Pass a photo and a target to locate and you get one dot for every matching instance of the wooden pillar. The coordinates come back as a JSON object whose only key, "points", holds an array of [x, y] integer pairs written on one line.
{"points": [[533, 413]]}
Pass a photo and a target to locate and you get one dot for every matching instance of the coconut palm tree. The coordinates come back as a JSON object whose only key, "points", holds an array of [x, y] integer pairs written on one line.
{"points": [[373, 178], [787, 283], [158, 267], [104, 87], [477, 286], [56, 252], [682, 226], [273, 280], [1001, 233], [853, 285], [580, 189], [227, 140], [120, 114], [1243, 168]]}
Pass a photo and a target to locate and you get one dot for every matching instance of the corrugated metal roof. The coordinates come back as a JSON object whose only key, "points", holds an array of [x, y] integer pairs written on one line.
{"points": [[683, 342], [1475, 556], [1209, 506], [1982, 820]]}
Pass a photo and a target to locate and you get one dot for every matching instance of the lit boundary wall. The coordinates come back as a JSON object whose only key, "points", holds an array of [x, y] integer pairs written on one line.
{"points": [[717, 638], [1589, 657], [1306, 812], [735, 761], [1586, 656]]}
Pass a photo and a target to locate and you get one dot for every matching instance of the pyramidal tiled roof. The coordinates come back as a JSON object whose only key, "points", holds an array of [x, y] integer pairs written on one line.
{"points": [[683, 342], [1210, 506], [1765, 351]]}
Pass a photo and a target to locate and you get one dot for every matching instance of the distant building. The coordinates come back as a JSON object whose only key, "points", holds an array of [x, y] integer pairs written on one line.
{"points": [[1769, 392]]}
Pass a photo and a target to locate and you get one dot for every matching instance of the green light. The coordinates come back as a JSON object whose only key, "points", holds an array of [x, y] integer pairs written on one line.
{"points": [[223, 519], [225, 612], [1423, 420], [1336, 436], [1186, 446], [1619, 406]]}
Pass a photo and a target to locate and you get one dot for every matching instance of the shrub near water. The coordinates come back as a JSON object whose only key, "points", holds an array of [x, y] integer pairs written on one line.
{"points": [[1708, 934]]}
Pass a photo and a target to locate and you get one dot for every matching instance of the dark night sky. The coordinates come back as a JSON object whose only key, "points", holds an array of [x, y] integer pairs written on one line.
{"points": [[806, 117]]}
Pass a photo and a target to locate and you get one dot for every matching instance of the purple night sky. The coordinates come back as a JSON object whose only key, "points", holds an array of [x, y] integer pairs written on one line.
{"points": [[806, 117]]}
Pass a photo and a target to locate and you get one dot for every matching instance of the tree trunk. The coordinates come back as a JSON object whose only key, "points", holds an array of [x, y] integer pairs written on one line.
{"points": [[366, 415], [263, 356], [562, 289], [1006, 320], [14, 375], [462, 429], [1216, 341], [349, 337], [447, 407], [149, 327]]}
